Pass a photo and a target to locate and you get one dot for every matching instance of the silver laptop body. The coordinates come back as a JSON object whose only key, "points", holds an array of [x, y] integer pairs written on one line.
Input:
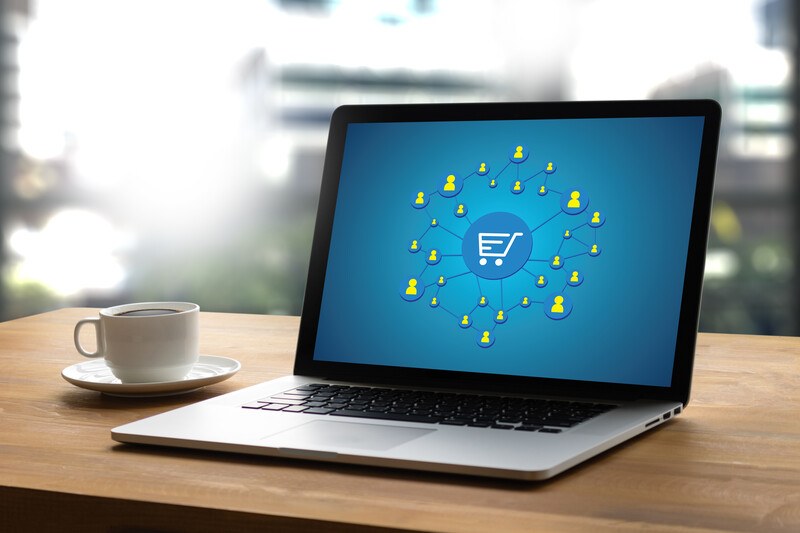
{"points": [[500, 290]]}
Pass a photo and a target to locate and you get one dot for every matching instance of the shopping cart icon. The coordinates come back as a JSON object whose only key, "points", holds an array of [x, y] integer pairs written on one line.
{"points": [[489, 245]]}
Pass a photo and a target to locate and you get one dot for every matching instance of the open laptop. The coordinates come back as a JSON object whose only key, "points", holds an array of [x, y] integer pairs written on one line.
{"points": [[498, 289]]}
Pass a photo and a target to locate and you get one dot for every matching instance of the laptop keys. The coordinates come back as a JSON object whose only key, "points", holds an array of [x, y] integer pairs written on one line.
{"points": [[504, 413]]}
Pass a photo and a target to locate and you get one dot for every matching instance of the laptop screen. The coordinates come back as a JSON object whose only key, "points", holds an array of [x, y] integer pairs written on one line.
{"points": [[536, 248]]}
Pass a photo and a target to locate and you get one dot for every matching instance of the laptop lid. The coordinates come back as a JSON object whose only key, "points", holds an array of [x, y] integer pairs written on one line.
{"points": [[543, 248]]}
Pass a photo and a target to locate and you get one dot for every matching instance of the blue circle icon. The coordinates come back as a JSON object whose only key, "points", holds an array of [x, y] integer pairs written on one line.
{"points": [[541, 281], [542, 190], [411, 290], [573, 201], [557, 306], [465, 321], [420, 200], [596, 219], [497, 245], [574, 278], [518, 154], [450, 185], [550, 167], [485, 339], [483, 169], [460, 210], [517, 187]]}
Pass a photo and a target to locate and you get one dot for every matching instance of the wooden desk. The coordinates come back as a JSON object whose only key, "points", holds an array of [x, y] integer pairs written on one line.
{"points": [[731, 462]]}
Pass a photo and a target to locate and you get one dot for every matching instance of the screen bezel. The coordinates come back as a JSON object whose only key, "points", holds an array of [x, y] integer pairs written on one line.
{"points": [[686, 337]]}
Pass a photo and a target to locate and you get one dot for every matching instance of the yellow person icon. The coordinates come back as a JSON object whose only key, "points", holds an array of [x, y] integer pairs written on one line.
{"points": [[411, 290]]}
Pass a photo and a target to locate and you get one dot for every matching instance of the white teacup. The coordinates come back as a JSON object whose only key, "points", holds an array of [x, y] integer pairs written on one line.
{"points": [[146, 342]]}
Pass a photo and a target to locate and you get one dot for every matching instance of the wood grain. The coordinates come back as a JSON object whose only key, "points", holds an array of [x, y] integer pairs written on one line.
{"points": [[731, 462]]}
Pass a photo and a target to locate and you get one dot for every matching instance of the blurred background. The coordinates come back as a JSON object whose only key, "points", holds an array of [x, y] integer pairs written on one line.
{"points": [[159, 150]]}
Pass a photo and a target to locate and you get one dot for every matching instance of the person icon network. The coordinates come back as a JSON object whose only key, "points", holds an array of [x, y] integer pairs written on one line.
{"points": [[572, 202]]}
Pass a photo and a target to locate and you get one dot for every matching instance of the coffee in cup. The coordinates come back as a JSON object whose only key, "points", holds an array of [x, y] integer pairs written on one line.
{"points": [[146, 342]]}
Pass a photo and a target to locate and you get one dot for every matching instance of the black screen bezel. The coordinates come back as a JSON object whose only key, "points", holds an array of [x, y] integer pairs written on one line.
{"points": [[695, 261]]}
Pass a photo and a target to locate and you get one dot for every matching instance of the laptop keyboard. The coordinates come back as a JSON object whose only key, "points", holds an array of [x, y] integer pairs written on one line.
{"points": [[505, 413]]}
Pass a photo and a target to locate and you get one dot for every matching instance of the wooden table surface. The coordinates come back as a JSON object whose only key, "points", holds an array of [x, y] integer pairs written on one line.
{"points": [[730, 462]]}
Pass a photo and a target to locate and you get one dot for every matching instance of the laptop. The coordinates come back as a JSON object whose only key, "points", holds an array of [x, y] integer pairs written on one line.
{"points": [[495, 289]]}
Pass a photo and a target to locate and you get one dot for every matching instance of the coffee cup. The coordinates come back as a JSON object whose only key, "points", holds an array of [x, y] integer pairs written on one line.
{"points": [[145, 342]]}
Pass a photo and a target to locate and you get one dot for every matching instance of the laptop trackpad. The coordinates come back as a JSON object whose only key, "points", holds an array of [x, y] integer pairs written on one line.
{"points": [[327, 434]]}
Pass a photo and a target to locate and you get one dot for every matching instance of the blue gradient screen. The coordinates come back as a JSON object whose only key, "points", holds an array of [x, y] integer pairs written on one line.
{"points": [[537, 248]]}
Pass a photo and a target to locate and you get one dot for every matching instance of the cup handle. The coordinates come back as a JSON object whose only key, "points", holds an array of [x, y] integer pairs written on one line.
{"points": [[96, 323]]}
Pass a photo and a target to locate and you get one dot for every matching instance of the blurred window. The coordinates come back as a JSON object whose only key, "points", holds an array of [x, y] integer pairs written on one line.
{"points": [[173, 150]]}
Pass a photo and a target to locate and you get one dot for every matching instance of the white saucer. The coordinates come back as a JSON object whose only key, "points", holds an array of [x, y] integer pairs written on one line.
{"points": [[95, 375]]}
